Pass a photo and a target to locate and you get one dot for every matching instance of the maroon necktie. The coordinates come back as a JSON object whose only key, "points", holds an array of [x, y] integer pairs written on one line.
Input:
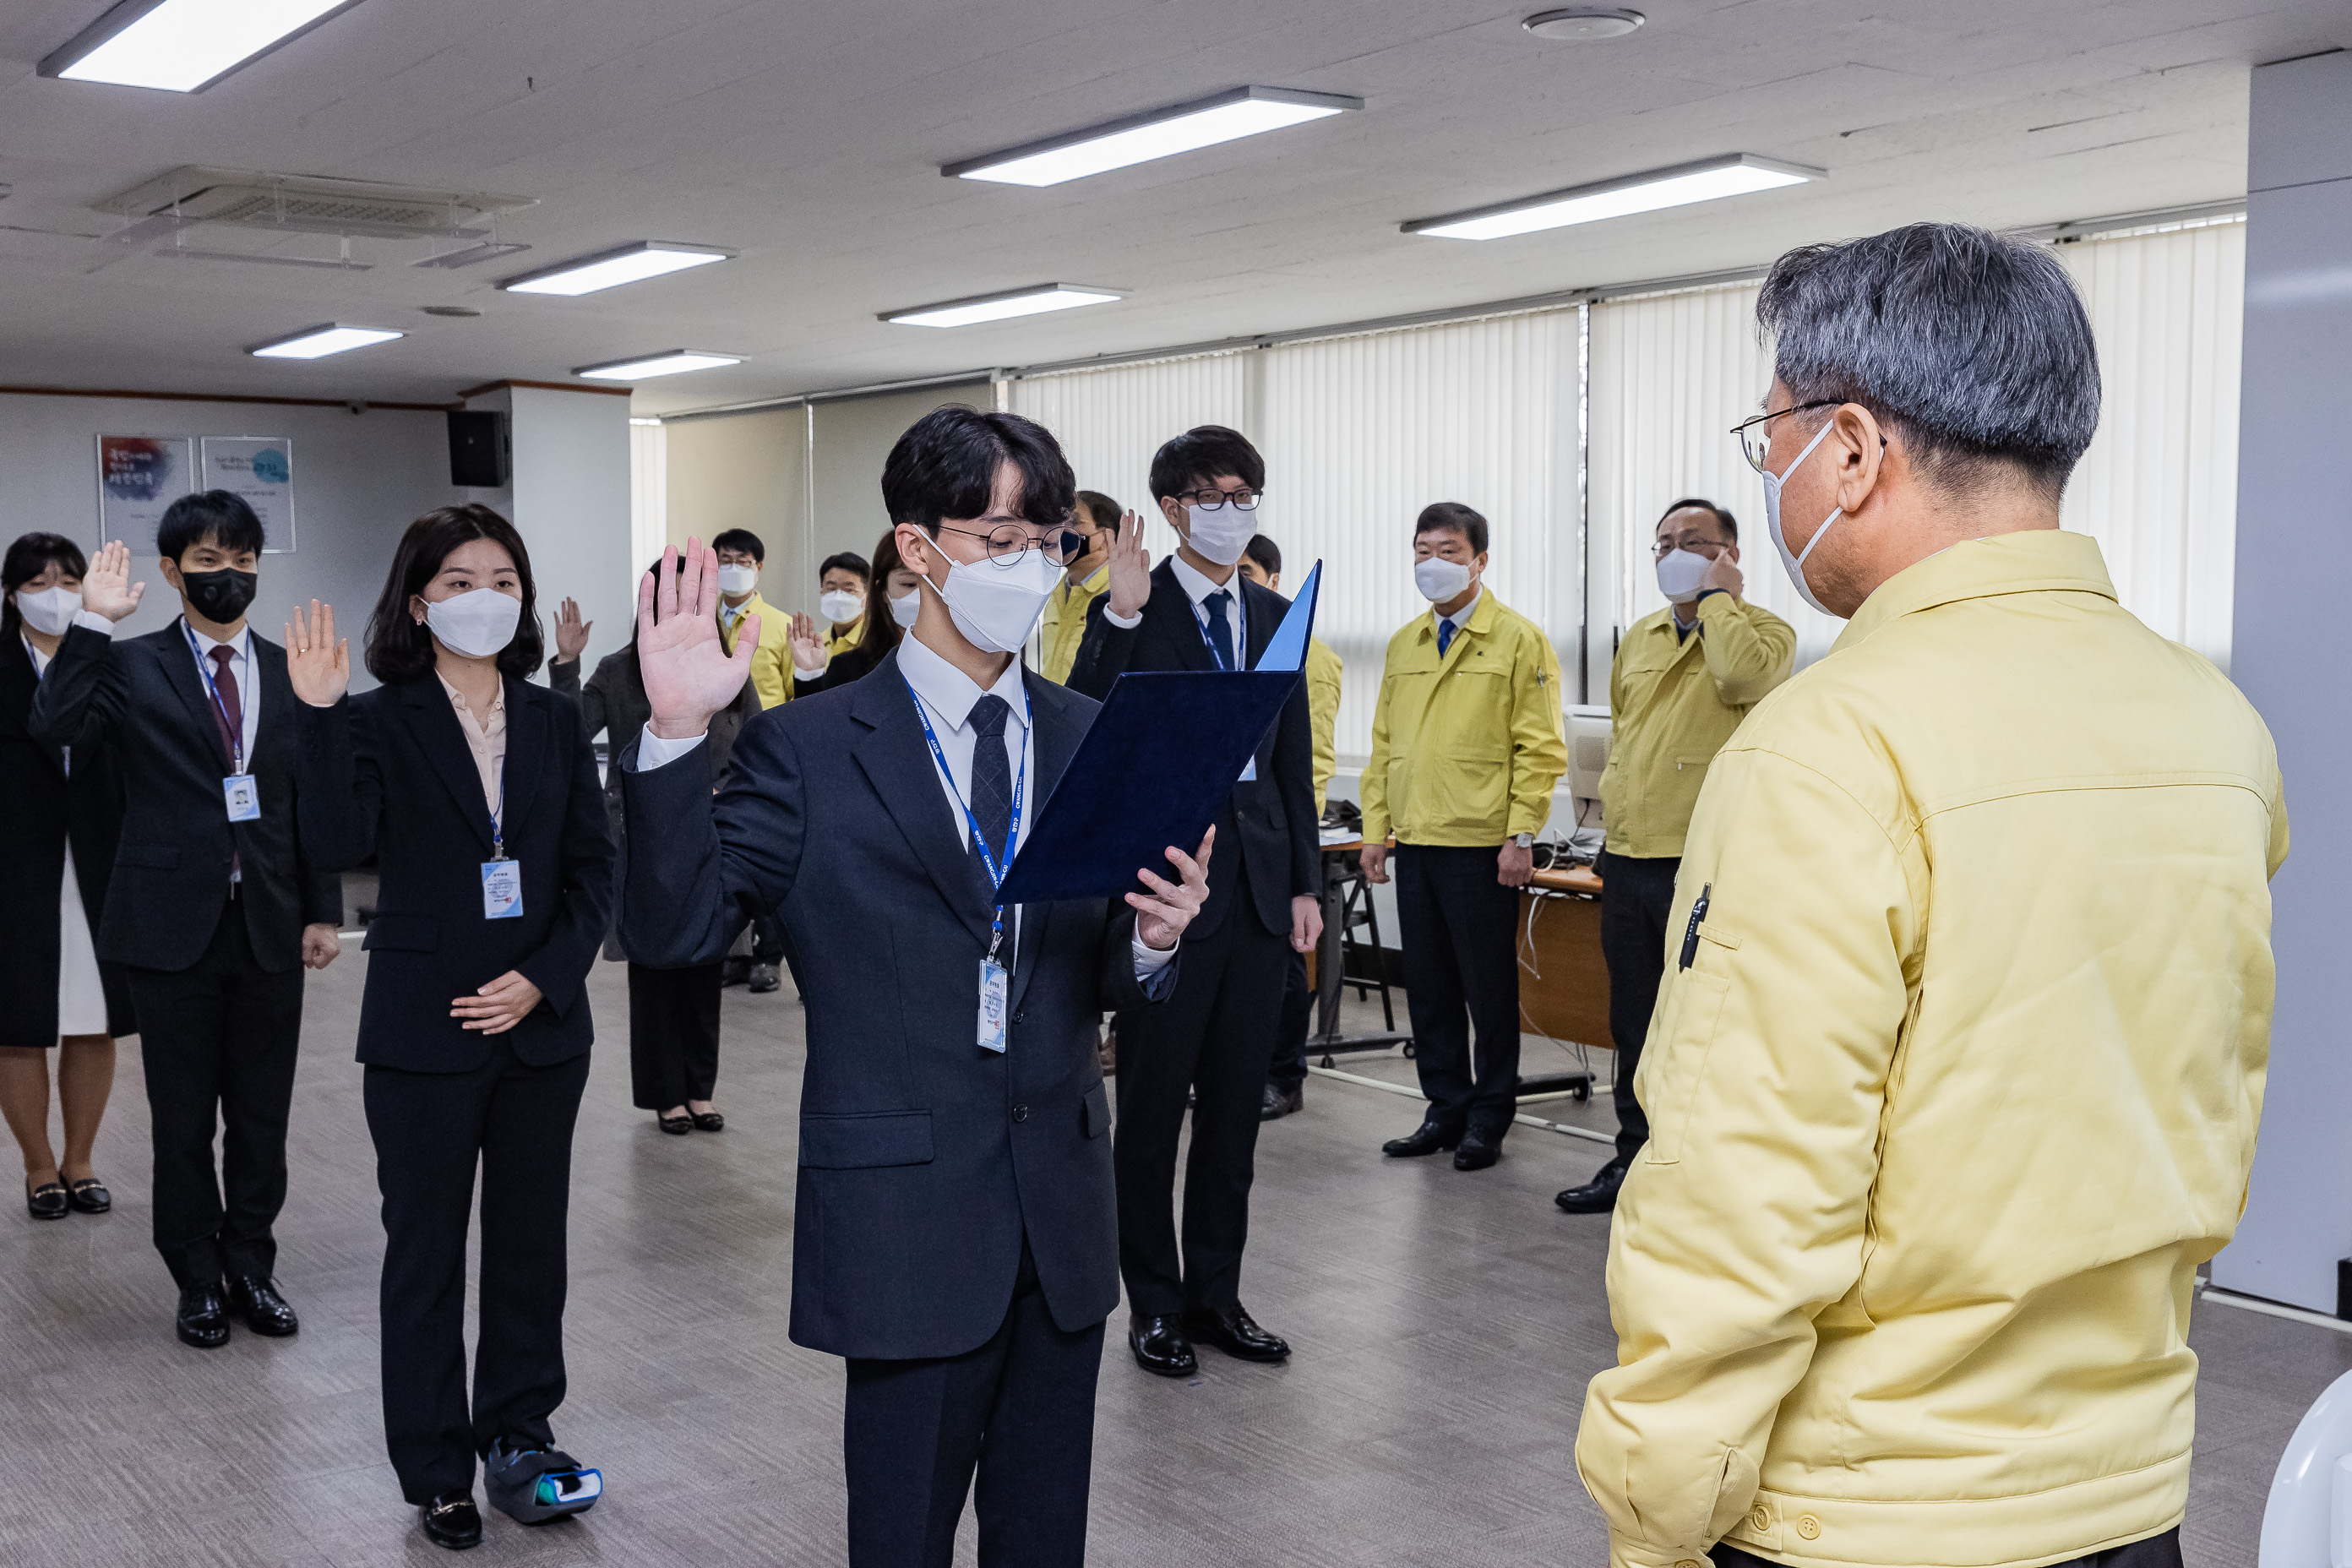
{"points": [[229, 714]]}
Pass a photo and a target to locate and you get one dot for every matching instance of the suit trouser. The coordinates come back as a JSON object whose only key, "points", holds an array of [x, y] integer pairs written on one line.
{"points": [[2156, 1552], [1288, 1068], [430, 1131], [1460, 930], [1213, 1038], [673, 1033], [1637, 899], [219, 1040], [1019, 1409]]}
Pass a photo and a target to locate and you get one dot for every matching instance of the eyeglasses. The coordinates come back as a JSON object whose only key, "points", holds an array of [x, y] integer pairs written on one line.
{"points": [[1709, 548], [1244, 499], [1009, 542], [1756, 442]]}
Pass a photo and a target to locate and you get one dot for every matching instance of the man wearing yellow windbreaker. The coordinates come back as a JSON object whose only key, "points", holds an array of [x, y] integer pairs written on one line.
{"points": [[740, 556], [1085, 579], [1683, 678], [1466, 748], [1956, 1069]]}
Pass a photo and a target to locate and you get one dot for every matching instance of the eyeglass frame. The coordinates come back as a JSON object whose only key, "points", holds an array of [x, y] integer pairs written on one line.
{"points": [[1072, 543], [1756, 458], [1192, 498]]}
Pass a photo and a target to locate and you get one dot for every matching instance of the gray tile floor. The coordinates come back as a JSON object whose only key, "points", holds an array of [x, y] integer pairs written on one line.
{"points": [[1445, 1323]]}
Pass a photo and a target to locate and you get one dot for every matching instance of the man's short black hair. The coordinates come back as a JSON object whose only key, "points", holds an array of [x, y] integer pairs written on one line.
{"points": [[1199, 455], [1101, 511], [221, 517], [945, 466], [848, 561], [741, 538], [1452, 516], [1265, 553], [1695, 503]]}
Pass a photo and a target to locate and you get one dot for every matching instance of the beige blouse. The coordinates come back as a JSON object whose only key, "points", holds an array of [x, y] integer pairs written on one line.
{"points": [[486, 737]]}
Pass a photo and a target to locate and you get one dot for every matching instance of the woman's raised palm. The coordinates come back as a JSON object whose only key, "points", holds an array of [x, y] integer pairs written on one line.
{"points": [[319, 665], [687, 671]]}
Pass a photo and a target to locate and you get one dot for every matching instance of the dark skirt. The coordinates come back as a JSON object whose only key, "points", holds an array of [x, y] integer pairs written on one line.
{"points": [[673, 1033]]}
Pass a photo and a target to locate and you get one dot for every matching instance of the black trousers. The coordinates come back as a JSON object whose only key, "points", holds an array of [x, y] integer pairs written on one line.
{"points": [[219, 1040], [2156, 1552], [1288, 1068], [673, 1033], [1460, 930], [431, 1129], [1020, 1409], [1212, 1037], [1637, 899]]}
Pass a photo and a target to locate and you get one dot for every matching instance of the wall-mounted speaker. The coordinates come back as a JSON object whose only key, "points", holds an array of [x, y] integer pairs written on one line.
{"points": [[478, 448]]}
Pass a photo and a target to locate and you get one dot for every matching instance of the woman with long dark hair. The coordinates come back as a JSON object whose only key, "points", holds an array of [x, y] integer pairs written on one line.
{"points": [[477, 793], [892, 597], [57, 836], [673, 1012]]}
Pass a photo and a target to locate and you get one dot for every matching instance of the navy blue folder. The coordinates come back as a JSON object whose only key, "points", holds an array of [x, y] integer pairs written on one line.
{"points": [[1155, 770]]}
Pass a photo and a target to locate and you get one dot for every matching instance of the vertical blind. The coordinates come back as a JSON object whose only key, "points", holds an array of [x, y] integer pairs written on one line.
{"points": [[648, 494], [1109, 422]]}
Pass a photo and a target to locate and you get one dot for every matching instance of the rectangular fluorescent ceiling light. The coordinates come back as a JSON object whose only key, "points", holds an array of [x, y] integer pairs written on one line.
{"points": [[1735, 175], [183, 46], [610, 268], [318, 342], [669, 362], [1161, 133], [999, 307]]}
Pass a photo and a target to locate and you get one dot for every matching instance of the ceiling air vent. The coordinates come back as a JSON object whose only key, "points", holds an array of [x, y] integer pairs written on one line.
{"points": [[302, 204]]}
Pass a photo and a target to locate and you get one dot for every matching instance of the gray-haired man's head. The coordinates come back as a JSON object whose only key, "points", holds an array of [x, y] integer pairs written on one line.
{"points": [[1972, 348]]}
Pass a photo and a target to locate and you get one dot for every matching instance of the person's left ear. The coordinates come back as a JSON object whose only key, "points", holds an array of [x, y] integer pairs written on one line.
{"points": [[416, 609]]}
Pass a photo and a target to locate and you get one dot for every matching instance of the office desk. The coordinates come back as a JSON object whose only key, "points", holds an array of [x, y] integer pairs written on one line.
{"points": [[1563, 982]]}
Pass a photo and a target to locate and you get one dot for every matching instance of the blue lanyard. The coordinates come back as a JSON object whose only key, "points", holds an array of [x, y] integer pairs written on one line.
{"points": [[236, 732], [1201, 624], [1012, 828], [498, 818]]}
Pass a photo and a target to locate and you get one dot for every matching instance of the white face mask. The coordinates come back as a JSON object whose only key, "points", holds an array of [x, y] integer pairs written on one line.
{"points": [[1222, 534], [50, 611], [1440, 579], [841, 606], [905, 608], [1794, 562], [738, 579], [996, 607], [1680, 572], [476, 623]]}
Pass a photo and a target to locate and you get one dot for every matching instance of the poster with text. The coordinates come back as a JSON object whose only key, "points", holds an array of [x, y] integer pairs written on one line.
{"points": [[138, 477], [261, 469]]}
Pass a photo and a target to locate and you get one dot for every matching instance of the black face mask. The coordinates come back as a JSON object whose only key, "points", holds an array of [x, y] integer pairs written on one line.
{"points": [[220, 596]]}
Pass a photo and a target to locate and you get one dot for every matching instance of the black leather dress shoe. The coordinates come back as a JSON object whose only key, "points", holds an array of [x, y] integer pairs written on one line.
{"points": [[707, 1120], [46, 1201], [1159, 1345], [452, 1521], [1430, 1138], [90, 1195], [1278, 1102], [264, 1311], [1598, 1196], [203, 1319], [1234, 1332], [1479, 1149]]}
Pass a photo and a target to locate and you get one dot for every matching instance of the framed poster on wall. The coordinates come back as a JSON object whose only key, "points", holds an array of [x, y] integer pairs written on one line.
{"points": [[261, 469], [138, 477]]}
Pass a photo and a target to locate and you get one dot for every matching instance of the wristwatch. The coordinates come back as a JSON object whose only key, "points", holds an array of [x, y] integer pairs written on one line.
{"points": [[1524, 840]]}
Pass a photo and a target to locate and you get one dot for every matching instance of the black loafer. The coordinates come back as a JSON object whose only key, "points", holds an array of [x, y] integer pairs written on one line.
{"points": [[90, 1195], [1279, 1103], [676, 1126], [264, 1311], [1479, 1149], [451, 1520], [1598, 1196], [1234, 1332], [203, 1319], [1430, 1138], [1159, 1345], [46, 1201], [707, 1120]]}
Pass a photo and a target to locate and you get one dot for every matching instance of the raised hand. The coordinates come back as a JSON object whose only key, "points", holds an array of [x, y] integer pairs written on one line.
{"points": [[571, 632], [1723, 573], [808, 648], [317, 665], [1130, 568], [689, 673], [1161, 920], [106, 587]]}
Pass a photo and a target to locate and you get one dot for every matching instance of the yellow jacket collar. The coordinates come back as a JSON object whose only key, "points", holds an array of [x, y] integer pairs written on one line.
{"points": [[1481, 621], [2040, 560]]}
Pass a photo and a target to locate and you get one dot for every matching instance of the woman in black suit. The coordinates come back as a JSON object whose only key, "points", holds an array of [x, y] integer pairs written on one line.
{"points": [[892, 597], [57, 834], [478, 795], [673, 1012]]}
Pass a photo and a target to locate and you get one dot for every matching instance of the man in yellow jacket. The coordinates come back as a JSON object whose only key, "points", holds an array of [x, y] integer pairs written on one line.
{"points": [[1466, 747], [1957, 1069], [740, 557], [1683, 678], [1085, 579]]}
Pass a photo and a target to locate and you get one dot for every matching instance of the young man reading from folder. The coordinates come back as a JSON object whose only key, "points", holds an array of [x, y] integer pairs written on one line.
{"points": [[955, 1237]]}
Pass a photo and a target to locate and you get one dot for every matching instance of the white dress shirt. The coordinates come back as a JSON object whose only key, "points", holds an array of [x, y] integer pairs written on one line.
{"points": [[1461, 617], [1197, 588], [240, 664]]}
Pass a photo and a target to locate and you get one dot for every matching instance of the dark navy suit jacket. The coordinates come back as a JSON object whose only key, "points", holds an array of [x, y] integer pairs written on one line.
{"points": [[924, 1160]]}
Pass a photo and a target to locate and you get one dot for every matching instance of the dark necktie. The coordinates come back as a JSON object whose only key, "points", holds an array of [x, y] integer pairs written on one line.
{"points": [[228, 713], [1221, 630], [1445, 630], [992, 774]]}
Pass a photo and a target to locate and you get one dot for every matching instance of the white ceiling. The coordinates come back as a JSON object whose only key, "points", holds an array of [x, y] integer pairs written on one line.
{"points": [[808, 137]]}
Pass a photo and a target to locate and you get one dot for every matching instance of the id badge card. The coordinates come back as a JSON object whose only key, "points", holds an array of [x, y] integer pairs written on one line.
{"points": [[244, 798], [501, 890], [995, 989]]}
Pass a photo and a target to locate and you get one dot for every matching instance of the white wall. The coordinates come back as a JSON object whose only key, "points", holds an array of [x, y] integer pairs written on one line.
{"points": [[358, 480], [571, 499]]}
